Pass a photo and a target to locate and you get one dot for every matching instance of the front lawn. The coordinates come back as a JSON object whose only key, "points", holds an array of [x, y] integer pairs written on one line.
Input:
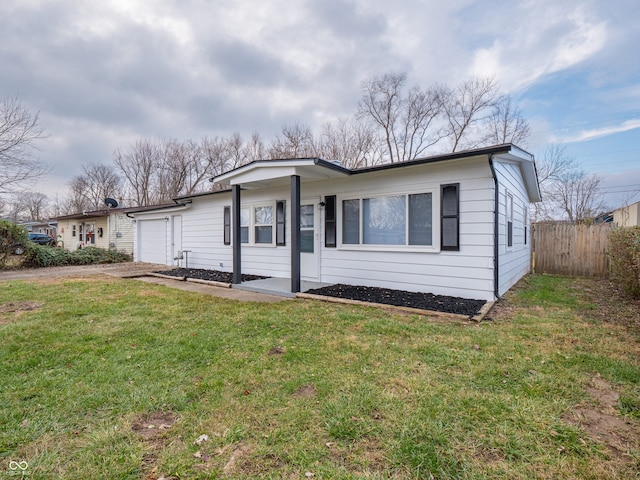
{"points": [[107, 378]]}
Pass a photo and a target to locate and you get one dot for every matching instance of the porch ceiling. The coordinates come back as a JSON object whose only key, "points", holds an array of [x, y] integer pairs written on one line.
{"points": [[269, 173]]}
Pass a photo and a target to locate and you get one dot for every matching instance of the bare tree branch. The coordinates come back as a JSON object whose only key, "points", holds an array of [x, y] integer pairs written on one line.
{"points": [[505, 124], [297, 141], [465, 107], [19, 135]]}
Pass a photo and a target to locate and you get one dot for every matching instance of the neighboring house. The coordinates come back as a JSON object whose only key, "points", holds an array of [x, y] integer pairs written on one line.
{"points": [[628, 216], [455, 224], [48, 227], [106, 228]]}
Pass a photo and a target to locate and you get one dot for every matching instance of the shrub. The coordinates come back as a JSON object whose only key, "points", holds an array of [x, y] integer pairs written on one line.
{"points": [[624, 253], [90, 255], [37, 256], [12, 238]]}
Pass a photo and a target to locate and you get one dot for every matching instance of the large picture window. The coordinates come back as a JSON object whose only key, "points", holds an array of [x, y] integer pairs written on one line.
{"points": [[388, 220]]}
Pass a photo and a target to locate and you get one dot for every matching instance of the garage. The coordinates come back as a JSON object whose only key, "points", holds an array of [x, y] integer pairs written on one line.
{"points": [[152, 245]]}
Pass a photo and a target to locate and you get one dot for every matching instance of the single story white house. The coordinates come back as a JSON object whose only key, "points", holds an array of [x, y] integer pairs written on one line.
{"points": [[454, 224], [108, 228]]}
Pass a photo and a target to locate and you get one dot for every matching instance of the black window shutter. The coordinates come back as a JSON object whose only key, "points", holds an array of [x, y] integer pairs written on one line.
{"points": [[280, 222], [450, 217], [330, 221], [227, 225]]}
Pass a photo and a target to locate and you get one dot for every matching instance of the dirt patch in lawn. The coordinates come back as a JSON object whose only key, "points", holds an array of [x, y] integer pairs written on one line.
{"points": [[601, 420], [608, 303], [17, 308], [306, 391], [153, 425], [277, 351], [12, 307]]}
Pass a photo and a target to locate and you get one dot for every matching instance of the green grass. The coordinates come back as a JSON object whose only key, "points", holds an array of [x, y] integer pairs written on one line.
{"points": [[391, 397]]}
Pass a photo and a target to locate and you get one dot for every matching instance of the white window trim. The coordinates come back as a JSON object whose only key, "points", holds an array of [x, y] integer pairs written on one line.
{"points": [[252, 224], [508, 216], [435, 225]]}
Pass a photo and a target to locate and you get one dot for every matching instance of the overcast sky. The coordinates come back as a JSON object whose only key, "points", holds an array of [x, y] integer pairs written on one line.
{"points": [[104, 74]]}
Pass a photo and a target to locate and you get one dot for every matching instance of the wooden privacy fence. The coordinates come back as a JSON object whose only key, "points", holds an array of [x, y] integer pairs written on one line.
{"points": [[571, 249]]}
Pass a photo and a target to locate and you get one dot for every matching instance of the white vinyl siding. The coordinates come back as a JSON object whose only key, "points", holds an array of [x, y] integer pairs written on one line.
{"points": [[467, 272], [514, 259]]}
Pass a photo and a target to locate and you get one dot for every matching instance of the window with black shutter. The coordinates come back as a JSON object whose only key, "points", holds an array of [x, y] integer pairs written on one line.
{"points": [[227, 225], [509, 220], [330, 221], [280, 222], [450, 217]]}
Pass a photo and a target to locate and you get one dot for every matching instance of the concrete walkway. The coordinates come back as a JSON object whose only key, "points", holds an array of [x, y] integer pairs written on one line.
{"points": [[139, 271]]}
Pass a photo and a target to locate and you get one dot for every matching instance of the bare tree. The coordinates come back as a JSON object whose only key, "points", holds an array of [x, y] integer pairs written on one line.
{"points": [[197, 168], [466, 108], [19, 135], [137, 164], [33, 205], [297, 141], [381, 102], [577, 194], [76, 200], [102, 181], [222, 154], [551, 167], [407, 122], [353, 143], [255, 149], [172, 172], [215, 156], [567, 191], [506, 124], [88, 190], [157, 171]]}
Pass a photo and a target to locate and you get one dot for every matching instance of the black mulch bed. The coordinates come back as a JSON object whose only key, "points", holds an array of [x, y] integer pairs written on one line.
{"points": [[211, 275], [401, 298]]}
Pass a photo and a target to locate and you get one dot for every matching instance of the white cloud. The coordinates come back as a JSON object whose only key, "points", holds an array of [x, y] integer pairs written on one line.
{"points": [[551, 37], [586, 135]]}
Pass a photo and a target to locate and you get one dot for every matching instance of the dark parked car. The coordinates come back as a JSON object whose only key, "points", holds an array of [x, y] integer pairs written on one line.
{"points": [[42, 239]]}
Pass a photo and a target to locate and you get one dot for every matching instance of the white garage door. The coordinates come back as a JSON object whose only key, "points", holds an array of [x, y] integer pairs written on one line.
{"points": [[153, 241]]}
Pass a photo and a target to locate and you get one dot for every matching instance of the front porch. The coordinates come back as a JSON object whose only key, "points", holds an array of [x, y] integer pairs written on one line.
{"points": [[277, 286], [301, 222]]}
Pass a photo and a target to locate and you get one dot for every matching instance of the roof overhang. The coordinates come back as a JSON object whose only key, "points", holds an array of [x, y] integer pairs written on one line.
{"points": [[527, 167], [270, 173], [161, 209]]}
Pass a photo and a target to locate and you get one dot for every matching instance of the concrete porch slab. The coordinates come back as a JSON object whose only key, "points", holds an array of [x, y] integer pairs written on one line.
{"points": [[277, 286]]}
